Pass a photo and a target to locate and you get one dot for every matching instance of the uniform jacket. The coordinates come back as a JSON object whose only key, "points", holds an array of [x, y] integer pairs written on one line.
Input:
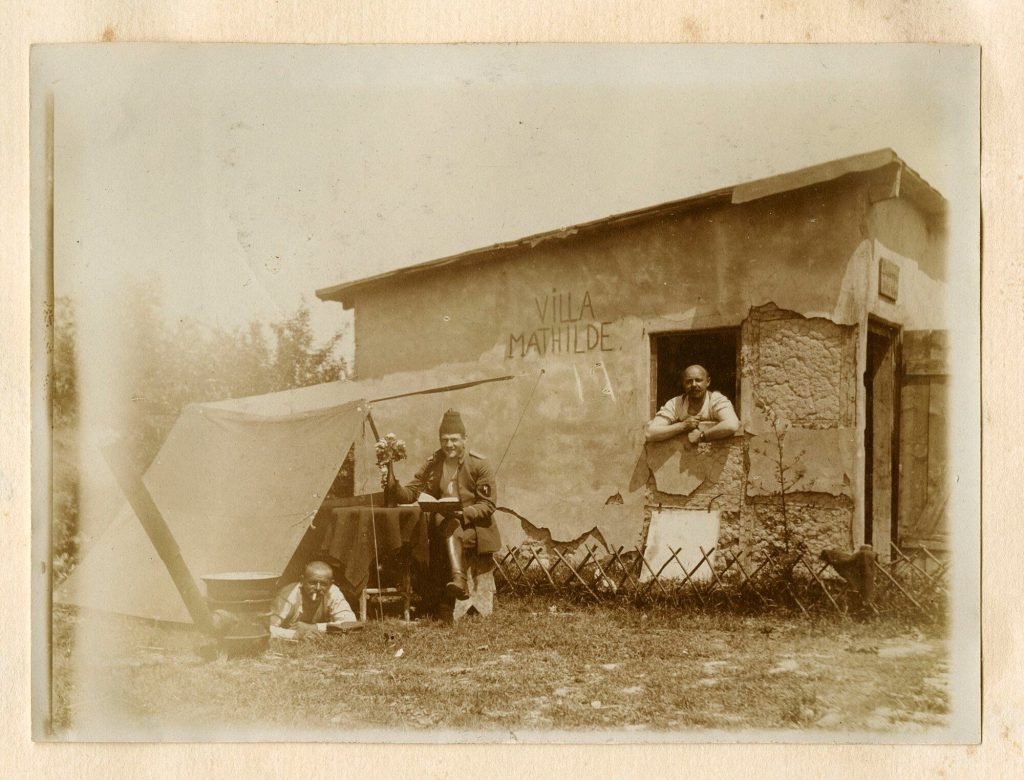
{"points": [[477, 492]]}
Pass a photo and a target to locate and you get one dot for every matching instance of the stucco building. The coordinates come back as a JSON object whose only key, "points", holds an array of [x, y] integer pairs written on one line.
{"points": [[816, 299]]}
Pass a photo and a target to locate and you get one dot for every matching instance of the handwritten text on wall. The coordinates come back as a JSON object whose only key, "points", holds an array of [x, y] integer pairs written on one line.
{"points": [[568, 326]]}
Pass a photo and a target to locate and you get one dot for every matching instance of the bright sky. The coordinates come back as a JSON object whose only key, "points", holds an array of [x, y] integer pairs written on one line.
{"points": [[246, 177]]}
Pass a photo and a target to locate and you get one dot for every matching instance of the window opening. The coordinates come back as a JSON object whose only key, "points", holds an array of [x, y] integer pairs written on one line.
{"points": [[716, 350]]}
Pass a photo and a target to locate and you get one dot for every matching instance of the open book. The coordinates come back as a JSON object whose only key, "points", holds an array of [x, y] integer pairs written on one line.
{"points": [[446, 505]]}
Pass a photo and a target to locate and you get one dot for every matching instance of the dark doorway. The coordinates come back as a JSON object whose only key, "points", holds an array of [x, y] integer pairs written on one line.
{"points": [[881, 434], [716, 350]]}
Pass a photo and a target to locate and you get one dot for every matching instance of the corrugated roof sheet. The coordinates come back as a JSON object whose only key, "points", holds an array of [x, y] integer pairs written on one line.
{"points": [[910, 184]]}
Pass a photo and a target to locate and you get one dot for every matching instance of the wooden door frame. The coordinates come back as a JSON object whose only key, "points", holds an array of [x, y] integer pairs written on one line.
{"points": [[894, 334]]}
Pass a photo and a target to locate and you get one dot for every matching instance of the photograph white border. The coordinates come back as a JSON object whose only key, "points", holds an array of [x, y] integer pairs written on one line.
{"points": [[995, 28]]}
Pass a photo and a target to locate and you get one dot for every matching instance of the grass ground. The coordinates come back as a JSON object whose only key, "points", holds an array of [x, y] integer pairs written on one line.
{"points": [[535, 665]]}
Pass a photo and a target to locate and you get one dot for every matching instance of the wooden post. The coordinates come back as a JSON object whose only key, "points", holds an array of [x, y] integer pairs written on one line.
{"points": [[868, 557], [134, 489]]}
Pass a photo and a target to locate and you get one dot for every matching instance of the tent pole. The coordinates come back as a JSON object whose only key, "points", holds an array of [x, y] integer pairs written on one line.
{"points": [[134, 489], [373, 426]]}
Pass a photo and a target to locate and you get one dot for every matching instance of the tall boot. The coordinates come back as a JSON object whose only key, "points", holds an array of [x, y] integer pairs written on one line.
{"points": [[458, 585]]}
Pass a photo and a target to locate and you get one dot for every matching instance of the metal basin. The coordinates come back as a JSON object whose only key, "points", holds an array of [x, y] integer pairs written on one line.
{"points": [[240, 604], [254, 606], [235, 586]]}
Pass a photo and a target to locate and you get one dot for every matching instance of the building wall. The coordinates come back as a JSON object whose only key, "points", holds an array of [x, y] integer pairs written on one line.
{"points": [[792, 271], [696, 269], [899, 225], [799, 377]]}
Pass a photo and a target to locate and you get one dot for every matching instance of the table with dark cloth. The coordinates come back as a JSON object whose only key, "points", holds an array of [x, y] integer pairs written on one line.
{"points": [[348, 541]]}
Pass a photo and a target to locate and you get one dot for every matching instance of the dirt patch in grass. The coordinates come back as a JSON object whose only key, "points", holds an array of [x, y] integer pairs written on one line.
{"points": [[533, 665]]}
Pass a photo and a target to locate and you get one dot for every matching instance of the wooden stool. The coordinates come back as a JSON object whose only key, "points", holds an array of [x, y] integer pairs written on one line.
{"points": [[403, 592], [480, 582]]}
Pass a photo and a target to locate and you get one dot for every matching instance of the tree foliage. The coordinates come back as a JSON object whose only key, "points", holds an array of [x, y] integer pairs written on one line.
{"points": [[189, 362]]}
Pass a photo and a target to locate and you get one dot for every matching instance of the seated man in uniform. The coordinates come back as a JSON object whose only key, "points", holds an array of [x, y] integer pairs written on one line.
{"points": [[701, 414], [307, 608], [454, 471]]}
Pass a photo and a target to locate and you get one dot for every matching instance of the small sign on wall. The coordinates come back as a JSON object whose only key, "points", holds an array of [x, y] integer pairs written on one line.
{"points": [[888, 279]]}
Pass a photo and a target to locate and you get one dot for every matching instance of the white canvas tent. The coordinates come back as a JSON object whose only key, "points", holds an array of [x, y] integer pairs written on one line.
{"points": [[237, 491], [240, 481]]}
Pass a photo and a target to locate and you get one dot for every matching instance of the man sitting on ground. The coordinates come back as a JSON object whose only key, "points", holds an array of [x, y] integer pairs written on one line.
{"points": [[701, 414], [307, 608]]}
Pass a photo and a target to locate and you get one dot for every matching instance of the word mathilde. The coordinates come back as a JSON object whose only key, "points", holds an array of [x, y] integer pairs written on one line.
{"points": [[563, 329]]}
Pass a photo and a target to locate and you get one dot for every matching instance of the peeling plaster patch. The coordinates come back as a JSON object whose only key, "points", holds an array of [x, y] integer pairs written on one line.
{"points": [[517, 530], [799, 367], [575, 506], [805, 369], [680, 468], [819, 461], [512, 527], [726, 491]]}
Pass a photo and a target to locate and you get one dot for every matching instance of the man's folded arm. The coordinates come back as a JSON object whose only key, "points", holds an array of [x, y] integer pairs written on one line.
{"points": [[660, 429], [728, 423], [341, 612]]}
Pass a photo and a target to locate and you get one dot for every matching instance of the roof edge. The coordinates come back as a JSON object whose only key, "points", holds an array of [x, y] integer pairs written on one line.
{"points": [[914, 187], [812, 175], [333, 293]]}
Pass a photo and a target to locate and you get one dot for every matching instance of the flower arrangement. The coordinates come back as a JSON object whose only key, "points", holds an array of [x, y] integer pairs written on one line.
{"points": [[390, 449]]}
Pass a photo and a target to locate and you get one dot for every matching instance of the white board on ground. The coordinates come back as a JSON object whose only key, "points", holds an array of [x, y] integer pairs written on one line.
{"points": [[688, 529]]}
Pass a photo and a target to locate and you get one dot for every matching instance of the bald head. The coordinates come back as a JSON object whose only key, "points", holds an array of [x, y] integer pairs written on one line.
{"points": [[317, 580], [318, 569], [695, 381], [696, 369]]}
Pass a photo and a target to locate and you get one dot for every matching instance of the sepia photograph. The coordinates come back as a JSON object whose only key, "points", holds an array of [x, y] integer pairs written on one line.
{"points": [[490, 393]]}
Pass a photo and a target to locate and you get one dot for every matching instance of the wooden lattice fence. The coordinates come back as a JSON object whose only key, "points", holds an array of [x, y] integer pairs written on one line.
{"points": [[913, 583]]}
